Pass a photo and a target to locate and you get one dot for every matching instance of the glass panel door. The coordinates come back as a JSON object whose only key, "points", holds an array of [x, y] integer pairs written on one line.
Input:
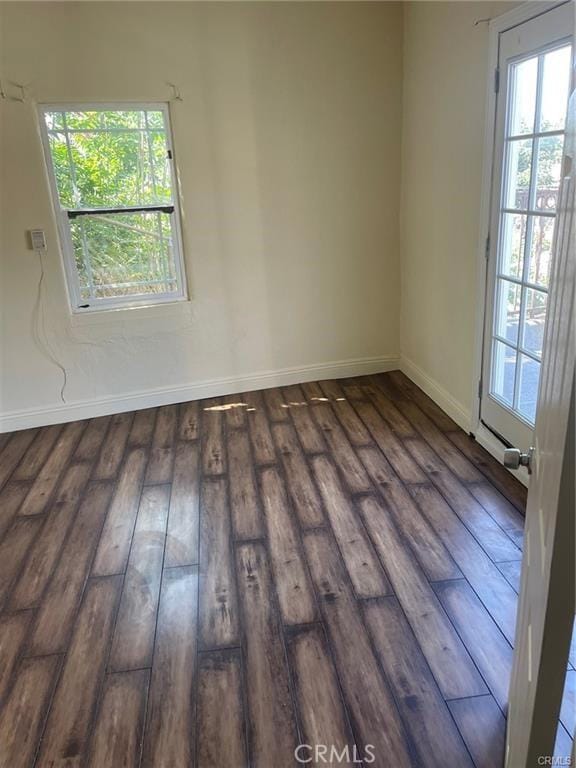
{"points": [[530, 127]]}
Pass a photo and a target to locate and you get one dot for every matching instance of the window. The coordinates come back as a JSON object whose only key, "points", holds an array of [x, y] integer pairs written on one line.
{"points": [[112, 174]]}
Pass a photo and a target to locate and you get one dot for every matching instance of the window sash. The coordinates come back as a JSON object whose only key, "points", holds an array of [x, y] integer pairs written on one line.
{"points": [[65, 216]]}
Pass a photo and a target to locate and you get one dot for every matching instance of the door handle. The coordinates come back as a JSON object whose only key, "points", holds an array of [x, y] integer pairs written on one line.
{"points": [[514, 458]]}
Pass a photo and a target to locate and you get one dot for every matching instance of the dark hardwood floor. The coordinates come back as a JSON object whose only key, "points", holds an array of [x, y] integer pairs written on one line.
{"points": [[215, 583]]}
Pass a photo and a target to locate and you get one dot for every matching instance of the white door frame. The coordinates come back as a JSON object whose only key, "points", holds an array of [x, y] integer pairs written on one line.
{"points": [[497, 26]]}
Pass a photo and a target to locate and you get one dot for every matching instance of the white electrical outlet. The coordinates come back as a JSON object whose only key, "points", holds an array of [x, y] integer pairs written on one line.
{"points": [[38, 240]]}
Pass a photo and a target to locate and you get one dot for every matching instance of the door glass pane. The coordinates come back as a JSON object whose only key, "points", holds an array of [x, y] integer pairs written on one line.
{"points": [[512, 245], [540, 256], [524, 77], [534, 319], [503, 372], [555, 83], [549, 163], [518, 174], [529, 372], [508, 310]]}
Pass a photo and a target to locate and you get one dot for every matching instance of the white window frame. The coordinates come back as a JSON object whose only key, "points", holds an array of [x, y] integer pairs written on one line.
{"points": [[77, 303]]}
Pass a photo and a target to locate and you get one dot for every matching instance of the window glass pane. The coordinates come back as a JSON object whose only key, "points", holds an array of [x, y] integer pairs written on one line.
{"points": [[549, 163], [523, 107], [518, 164], [124, 254], [512, 244], [109, 159], [541, 250], [62, 168], [555, 83], [528, 388], [508, 311], [503, 371], [534, 319]]}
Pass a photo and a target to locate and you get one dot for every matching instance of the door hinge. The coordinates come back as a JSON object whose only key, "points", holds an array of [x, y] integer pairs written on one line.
{"points": [[497, 79], [487, 248], [480, 387], [169, 154]]}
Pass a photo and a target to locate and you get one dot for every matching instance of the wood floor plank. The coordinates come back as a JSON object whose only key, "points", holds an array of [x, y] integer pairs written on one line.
{"points": [[235, 411], [484, 641], [276, 405], [24, 712], [47, 546], [401, 383], [244, 502], [361, 562], [322, 716], [352, 470], [512, 572], [161, 459], [13, 631], [183, 521], [425, 543], [272, 727], [57, 611], [91, 441], [498, 475], [133, 639], [303, 492], [113, 447], [13, 550], [4, 438], [503, 512], [189, 420], [169, 736], [48, 477], [218, 614], [119, 727], [347, 416], [35, 457], [436, 738], [446, 655], [221, 721], [404, 465], [11, 499], [114, 545], [67, 730], [483, 728], [308, 432], [213, 449], [373, 713], [484, 576], [13, 451], [262, 443], [445, 448], [142, 428], [293, 587], [488, 533], [398, 423]]}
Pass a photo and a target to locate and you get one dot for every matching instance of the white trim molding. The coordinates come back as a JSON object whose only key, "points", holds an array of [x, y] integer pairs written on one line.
{"points": [[436, 391], [87, 409]]}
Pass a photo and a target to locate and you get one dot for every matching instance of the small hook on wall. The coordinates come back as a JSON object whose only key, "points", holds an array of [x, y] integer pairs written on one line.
{"points": [[482, 21], [7, 97], [176, 96]]}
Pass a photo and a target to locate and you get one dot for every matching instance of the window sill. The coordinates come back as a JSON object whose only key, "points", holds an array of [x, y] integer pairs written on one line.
{"points": [[113, 315]]}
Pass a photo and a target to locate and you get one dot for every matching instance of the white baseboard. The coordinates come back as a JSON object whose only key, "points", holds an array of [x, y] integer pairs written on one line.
{"points": [[441, 397], [87, 409]]}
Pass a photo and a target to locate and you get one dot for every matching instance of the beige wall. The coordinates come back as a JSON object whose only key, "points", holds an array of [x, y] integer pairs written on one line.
{"points": [[445, 71], [287, 144]]}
